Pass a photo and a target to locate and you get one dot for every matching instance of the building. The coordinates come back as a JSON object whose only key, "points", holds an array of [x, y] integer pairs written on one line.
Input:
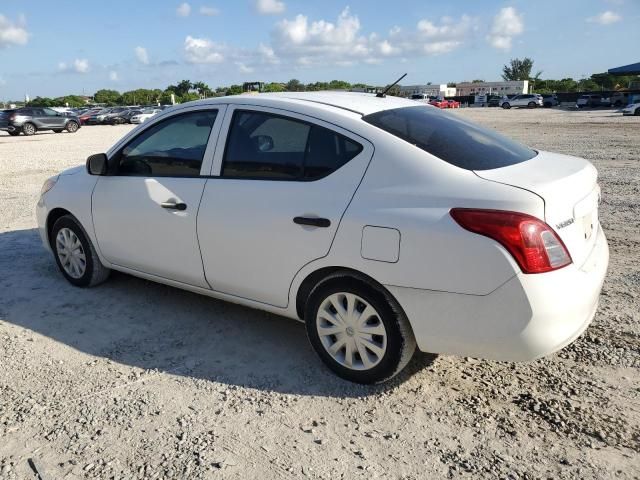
{"points": [[430, 90], [493, 88]]}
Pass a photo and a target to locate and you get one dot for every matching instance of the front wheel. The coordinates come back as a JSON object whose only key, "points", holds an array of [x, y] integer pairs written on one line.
{"points": [[358, 331], [72, 127], [75, 255], [506, 106], [637, 112]]}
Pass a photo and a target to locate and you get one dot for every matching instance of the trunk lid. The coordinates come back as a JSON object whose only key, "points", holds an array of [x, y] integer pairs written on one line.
{"points": [[568, 186]]}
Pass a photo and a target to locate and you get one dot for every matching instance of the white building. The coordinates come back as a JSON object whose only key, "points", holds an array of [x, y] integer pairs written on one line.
{"points": [[493, 88], [430, 90]]}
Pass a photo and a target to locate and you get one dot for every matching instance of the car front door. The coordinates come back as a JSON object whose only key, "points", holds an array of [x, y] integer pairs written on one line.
{"points": [[53, 119], [144, 211], [278, 190]]}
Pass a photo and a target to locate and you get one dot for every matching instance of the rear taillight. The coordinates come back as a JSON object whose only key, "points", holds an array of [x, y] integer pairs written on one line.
{"points": [[531, 242], [12, 117]]}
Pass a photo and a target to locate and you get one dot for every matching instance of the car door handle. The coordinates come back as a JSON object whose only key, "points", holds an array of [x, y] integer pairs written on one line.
{"points": [[174, 205], [312, 221]]}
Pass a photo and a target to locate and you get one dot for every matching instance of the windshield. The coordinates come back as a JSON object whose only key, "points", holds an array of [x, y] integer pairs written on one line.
{"points": [[450, 138]]}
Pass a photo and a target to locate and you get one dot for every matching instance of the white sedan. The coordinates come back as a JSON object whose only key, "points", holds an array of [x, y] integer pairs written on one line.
{"points": [[632, 109], [145, 115], [383, 224]]}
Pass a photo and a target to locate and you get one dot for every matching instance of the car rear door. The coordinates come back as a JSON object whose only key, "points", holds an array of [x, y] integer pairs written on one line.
{"points": [[279, 188], [144, 212]]}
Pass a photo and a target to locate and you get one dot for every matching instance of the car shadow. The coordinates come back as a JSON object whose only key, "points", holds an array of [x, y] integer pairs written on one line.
{"points": [[152, 326]]}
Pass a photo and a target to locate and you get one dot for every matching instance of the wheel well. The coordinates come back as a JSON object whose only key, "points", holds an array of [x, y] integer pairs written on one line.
{"points": [[54, 215], [316, 277]]}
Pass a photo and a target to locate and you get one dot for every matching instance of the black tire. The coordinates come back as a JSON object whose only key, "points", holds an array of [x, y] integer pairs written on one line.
{"points": [[14, 134], [400, 345], [72, 127], [29, 129], [637, 112], [94, 273], [506, 105]]}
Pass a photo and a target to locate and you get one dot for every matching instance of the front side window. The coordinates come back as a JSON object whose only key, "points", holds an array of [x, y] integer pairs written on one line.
{"points": [[171, 148], [273, 147], [450, 138]]}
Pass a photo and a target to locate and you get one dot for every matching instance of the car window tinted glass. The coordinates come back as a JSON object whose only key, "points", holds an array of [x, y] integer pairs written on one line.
{"points": [[273, 147], [49, 112], [450, 138], [172, 148]]}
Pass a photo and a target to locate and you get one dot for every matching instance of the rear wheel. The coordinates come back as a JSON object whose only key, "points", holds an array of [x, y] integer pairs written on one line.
{"points": [[72, 127], [506, 105], [29, 129], [637, 112], [75, 255], [359, 332], [532, 104]]}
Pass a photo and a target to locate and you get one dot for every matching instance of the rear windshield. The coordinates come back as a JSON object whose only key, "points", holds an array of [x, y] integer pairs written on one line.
{"points": [[450, 138]]}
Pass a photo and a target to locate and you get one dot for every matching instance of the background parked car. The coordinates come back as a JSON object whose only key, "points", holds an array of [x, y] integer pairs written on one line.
{"points": [[145, 115], [438, 102], [494, 100], [633, 109], [29, 120], [84, 117], [122, 117], [531, 100], [589, 101], [550, 100]]}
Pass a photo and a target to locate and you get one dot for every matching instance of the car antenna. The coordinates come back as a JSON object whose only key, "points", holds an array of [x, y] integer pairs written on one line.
{"points": [[384, 92]]}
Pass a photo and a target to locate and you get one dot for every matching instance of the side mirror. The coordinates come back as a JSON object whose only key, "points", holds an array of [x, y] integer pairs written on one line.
{"points": [[265, 143], [97, 164]]}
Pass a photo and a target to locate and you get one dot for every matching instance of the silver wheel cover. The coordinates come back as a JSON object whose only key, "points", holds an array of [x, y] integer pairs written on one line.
{"points": [[351, 331], [70, 253]]}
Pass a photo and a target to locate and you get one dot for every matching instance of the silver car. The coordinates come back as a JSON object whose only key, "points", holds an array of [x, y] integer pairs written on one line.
{"points": [[530, 100]]}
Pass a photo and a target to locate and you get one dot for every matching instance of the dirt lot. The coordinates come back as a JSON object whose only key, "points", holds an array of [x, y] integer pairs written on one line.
{"points": [[139, 380]]}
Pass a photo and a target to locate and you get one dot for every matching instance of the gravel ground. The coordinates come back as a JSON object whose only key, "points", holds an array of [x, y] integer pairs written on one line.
{"points": [[136, 380]]}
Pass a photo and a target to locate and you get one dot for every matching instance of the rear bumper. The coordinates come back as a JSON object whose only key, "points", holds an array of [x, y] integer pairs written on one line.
{"points": [[528, 317]]}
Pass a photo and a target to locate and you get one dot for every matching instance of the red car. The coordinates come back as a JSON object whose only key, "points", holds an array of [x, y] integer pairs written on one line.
{"points": [[439, 102], [83, 118], [453, 104]]}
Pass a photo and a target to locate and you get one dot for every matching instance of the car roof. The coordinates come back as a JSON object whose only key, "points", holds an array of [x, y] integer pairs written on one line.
{"points": [[358, 103]]}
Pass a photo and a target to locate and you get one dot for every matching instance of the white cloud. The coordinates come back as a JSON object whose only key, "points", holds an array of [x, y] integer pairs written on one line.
{"points": [[184, 10], [321, 42], [79, 65], [605, 18], [113, 76], [270, 7], [12, 33], [508, 23], [243, 68], [203, 50], [142, 55], [209, 11]]}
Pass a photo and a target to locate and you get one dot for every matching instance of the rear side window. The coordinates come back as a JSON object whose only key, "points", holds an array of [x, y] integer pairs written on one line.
{"points": [[450, 138], [274, 147]]}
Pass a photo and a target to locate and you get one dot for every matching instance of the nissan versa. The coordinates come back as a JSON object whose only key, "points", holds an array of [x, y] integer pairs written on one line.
{"points": [[385, 225]]}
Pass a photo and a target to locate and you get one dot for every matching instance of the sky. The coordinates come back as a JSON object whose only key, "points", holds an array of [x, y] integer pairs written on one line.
{"points": [[57, 48]]}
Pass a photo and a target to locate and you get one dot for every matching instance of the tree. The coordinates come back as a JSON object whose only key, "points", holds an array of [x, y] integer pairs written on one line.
{"points": [[339, 85], [181, 88], [234, 90], [452, 85], [294, 85], [203, 89], [477, 81], [73, 101], [110, 97], [518, 69], [273, 87], [43, 102]]}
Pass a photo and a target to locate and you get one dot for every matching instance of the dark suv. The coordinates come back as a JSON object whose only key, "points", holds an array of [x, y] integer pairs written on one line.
{"points": [[29, 120]]}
